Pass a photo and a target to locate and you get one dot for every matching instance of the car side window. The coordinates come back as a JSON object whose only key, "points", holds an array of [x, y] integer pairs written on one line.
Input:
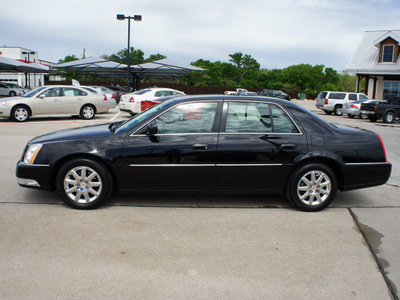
{"points": [[282, 122], [53, 92], [188, 118], [353, 97], [337, 95], [71, 92], [256, 118], [363, 97], [248, 117]]}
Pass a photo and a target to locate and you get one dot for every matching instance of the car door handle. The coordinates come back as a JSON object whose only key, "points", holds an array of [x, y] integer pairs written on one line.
{"points": [[288, 146], [200, 147]]}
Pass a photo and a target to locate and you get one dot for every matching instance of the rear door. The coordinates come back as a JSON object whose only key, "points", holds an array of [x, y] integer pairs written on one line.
{"points": [[72, 100], [257, 146]]}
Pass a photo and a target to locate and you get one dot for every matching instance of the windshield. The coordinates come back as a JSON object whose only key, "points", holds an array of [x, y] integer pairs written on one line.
{"points": [[34, 92], [143, 115]]}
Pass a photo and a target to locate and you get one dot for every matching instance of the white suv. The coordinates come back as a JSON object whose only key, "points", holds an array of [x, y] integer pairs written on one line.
{"points": [[332, 102]]}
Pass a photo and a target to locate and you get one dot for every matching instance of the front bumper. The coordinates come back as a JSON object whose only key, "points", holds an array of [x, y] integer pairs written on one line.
{"points": [[35, 176]]}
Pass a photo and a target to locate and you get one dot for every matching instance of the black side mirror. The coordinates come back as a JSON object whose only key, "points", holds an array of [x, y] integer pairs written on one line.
{"points": [[152, 128]]}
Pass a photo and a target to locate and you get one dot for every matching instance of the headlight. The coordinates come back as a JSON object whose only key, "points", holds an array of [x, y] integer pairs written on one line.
{"points": [[31, 153]]}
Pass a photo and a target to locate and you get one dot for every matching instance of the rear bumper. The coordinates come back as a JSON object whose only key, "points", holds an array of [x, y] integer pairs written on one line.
{"points": [[362, 175]]}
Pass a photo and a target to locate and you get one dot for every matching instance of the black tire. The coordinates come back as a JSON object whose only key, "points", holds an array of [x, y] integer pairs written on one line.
{"points": [[316, 183], [84, 183], [88, 112], [389, 117], [338, 110], [328, 112], [132, 113], [351, 116], [13, 94], [20, 113], [363, 116]]}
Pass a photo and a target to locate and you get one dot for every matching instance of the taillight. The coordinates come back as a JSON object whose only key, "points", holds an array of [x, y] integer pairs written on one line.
{"points": [[147, 104], [383, 147], [326, 101], [131, 100], [112, 96], [376, 108], [105, 97], [353, 106]]}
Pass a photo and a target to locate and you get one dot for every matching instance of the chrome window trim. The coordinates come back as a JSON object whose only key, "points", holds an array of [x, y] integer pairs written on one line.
{"points": [[162, 112], [265, 102], [180, 134]]}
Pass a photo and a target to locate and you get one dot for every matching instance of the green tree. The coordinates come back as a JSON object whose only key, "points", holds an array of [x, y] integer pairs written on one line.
{"points": [[154, 57], [244, 63], [136, 55], [68, 73]]}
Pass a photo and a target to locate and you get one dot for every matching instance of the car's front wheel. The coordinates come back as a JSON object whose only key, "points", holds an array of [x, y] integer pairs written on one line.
{"points": [[20, 113], [88, 112], [13, 94], [312, 187], [84, 183]]}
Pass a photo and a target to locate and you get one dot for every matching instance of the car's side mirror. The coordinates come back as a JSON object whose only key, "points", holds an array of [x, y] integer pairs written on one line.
{"points": [[41, 96], [152, 128]]}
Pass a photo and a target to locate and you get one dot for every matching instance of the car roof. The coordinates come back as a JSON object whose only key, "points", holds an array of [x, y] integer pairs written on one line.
{"points": [[189, 98]]}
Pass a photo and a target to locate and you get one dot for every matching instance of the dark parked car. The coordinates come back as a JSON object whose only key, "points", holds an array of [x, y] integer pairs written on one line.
{"points": [[274, 93], [388, 111], [208, 144]]}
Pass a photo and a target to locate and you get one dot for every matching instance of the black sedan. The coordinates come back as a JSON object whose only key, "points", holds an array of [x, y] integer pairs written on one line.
{"points": [[208, 144]]}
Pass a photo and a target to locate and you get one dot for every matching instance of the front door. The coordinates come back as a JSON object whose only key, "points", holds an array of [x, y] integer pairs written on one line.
{"points": [[48, 102], [257, 146], [181, 156]]}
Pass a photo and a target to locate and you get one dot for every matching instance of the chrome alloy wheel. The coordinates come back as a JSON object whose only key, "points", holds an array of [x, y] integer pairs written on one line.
{"points": [[21, 114], [88, 112], [314, 188], [82, 184]]}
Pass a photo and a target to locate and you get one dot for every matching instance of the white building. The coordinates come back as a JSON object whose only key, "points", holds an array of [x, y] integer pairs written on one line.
{"points": [[31, 80], [377, 60]]}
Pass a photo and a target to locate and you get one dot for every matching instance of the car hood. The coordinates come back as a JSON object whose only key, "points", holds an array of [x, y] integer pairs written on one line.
{"points": [[82, 133], [8, 99]]}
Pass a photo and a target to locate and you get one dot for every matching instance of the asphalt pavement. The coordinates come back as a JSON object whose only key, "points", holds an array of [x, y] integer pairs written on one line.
{"points": [[189, 246]]}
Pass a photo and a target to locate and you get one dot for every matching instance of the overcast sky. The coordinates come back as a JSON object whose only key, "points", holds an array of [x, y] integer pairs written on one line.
{"points": [[277, 33]]}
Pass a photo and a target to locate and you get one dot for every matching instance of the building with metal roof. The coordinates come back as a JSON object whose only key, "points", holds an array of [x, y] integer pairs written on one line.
{"points": [[376, 60]]}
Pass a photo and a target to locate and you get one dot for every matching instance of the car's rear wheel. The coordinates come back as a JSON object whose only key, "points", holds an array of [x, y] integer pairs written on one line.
{"points": [[84, 183], [312, 187], [389, 117], [88, 112], [13, 94], [20, 113], [338, 110], [363, 116]]}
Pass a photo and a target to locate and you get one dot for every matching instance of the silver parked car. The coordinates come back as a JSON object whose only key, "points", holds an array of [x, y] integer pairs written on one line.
{"points": [[52, 100], [12, 89], [353, 109]]}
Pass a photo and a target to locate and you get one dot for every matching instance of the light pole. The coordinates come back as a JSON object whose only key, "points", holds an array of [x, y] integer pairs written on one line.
{"points": [[26, 74], [135, 18]]}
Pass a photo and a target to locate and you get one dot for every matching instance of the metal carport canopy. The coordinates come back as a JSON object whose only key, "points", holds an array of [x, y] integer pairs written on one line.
{"points": [[164, 69], [160, 69], [10, 65], [94, 65]]}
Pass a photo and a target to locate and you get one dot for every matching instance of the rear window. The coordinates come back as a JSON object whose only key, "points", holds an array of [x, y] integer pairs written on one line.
{"points": [[337, 95], [322, 95], [141, 92]]}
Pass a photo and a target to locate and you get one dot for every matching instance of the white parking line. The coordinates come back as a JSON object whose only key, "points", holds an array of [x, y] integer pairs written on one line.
{"points": [[113, 118]]}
